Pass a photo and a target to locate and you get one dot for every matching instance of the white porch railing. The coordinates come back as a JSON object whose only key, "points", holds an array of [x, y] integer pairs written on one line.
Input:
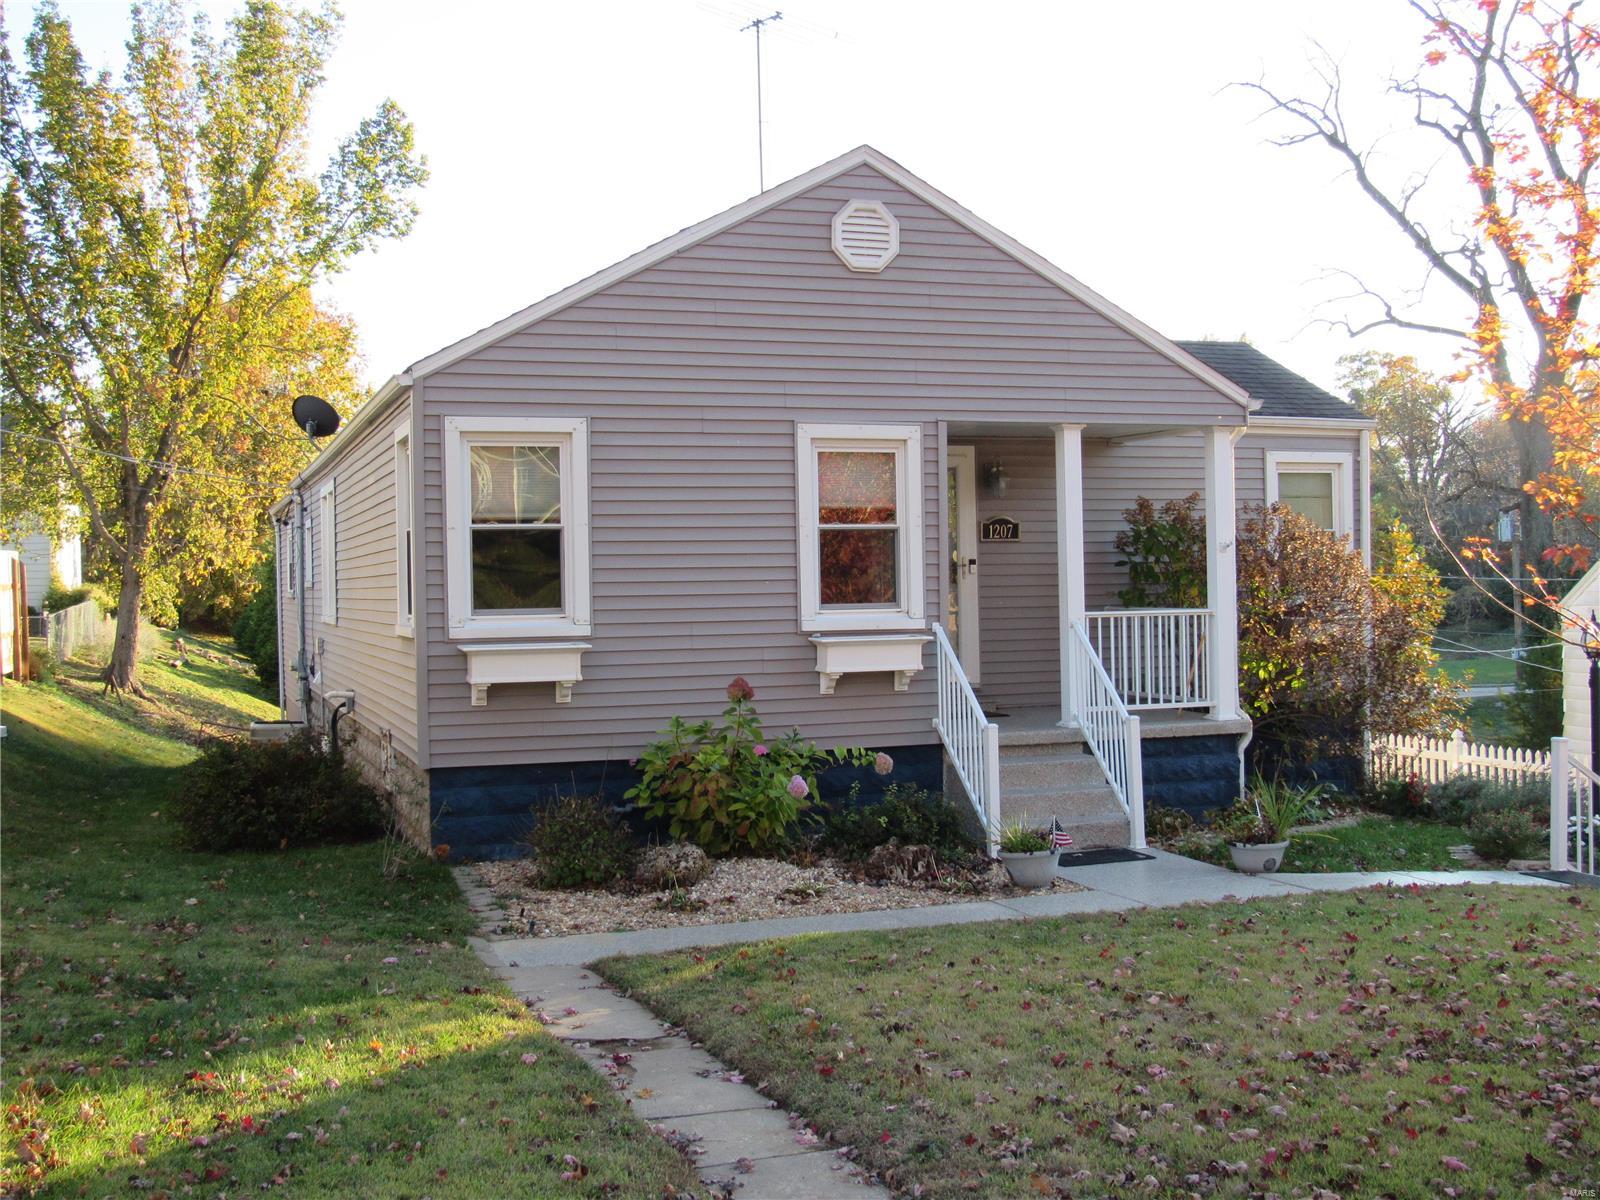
{"points": [[1154, 657], [1574, 820], [970, 738], [1111, 731]]}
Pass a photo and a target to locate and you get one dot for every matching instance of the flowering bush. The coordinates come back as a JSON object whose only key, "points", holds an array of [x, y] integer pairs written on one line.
{"points": [[727, 786]]}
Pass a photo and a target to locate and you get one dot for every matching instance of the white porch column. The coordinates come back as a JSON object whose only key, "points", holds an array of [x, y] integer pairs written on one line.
{"points": [[1069, 547], [1222, 588]]}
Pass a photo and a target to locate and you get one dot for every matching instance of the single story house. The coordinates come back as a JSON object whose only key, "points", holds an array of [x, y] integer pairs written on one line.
{"points": [[847, 440]]}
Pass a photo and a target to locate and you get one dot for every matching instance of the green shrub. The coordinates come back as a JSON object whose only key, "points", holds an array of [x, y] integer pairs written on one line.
{"points": [[1499, 834], [726, 786], [1164, 823], [256, 630], [1535, 706], [579, 842], [1166, 554], [1456, 801], [59, 596], [1408, 797], [907, 814], [242, 795]]}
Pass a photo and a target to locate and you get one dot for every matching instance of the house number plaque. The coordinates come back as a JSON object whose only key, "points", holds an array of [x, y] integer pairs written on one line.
{"points": [[1000, 529]]}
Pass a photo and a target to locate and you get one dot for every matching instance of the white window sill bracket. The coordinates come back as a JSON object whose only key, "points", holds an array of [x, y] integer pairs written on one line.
{"points": [[863, 654], [560, 663]]}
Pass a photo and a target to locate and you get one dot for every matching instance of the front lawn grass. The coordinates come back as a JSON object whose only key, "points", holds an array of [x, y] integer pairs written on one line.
{"points": [[1384, 1043], [1373, 843], [213, 1025]]}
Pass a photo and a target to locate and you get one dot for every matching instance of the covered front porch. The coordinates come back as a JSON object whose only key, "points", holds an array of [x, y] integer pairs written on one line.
{"points": [[1049, 687]]}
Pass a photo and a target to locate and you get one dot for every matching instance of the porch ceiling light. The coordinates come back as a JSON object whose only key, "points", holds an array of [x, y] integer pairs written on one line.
{"points": [[995, 480]]}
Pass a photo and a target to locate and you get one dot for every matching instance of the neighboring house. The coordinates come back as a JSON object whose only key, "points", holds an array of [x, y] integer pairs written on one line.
{"points": [[1584, 601], [802, 442], [43, 556]]}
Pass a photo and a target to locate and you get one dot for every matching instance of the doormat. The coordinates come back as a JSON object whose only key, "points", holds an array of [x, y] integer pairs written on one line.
{"points": [[995, 714], [1097, 858]]}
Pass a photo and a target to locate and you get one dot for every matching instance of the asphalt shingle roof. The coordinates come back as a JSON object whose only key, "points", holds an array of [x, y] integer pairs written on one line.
{"points": [[1282, 393]]}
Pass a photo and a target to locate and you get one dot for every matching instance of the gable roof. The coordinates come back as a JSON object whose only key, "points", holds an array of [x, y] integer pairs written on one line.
{"points": [[860, 156], [1279, 391]]}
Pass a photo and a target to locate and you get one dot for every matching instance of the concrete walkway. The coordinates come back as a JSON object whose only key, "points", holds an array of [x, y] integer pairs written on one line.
{"points": [[743, 1144], [1164, 880]]}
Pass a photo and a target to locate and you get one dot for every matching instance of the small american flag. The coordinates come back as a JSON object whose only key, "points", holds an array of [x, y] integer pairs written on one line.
{"points": [[1060, 839]]}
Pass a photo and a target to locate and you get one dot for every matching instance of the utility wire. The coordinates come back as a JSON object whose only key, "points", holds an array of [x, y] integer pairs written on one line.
{"points": [[1463, 648], [176, 468]]}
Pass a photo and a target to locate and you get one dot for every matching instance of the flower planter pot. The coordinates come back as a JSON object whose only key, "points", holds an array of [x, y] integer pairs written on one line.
{"points": [[1033, 870], [1257, 860]]}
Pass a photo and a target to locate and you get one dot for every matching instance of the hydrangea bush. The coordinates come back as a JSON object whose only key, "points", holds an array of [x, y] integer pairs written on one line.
{"points": [[727, 786]]}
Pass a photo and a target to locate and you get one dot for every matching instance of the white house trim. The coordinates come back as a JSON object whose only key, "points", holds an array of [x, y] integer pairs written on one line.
{"points": [[1340, 464], [328, 551], [1316, 426], [571, 435], [906, 443], [860, 156], [1069, 552], [405, 615], [1222, 565]]}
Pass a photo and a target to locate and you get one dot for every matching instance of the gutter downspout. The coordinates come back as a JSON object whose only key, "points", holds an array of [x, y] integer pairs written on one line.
{"points": [[300, 665]]}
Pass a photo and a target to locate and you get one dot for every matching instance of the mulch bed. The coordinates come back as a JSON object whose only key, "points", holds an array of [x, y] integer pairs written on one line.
{"points": [[738, 889]]}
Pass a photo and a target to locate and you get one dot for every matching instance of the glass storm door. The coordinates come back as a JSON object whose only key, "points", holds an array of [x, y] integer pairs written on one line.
{"points": [[961, 620]]}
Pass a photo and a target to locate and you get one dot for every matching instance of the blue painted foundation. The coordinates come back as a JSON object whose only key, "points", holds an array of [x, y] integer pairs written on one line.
{"points": [[1195, 774], [484, 812]]}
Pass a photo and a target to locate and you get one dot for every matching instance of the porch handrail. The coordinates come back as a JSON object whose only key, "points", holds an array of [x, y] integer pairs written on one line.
{"points": [[970, 738], [1155, 657], [1574, 811], [1111, 731]]}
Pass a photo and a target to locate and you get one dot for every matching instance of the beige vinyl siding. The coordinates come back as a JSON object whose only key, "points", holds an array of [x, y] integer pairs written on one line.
{"points": [[693, 374], [1584, 598], [362, 651]]}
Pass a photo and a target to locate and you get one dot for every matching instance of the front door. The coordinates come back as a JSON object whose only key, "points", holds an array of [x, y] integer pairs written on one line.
{"points": [[962, 618]]}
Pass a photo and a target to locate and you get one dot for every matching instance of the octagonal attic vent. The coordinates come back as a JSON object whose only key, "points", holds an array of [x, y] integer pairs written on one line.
{"points": [[866, 235]]}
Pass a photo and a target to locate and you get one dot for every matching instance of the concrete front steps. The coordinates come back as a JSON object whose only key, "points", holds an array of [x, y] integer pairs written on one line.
{"points": [[1049, 772]]}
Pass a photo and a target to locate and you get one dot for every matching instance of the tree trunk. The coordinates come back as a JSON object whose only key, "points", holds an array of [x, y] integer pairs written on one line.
{"points": [[122, 674]]}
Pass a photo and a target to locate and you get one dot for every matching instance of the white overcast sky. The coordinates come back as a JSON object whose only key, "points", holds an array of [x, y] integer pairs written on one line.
{"points": [[565, 136]]}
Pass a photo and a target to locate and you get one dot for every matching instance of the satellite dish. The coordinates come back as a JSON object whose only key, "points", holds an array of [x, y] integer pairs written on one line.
{"points": [[316, 416]]}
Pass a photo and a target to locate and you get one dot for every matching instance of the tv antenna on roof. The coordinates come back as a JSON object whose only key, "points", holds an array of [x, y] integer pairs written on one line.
{"points": [[761, 144]]}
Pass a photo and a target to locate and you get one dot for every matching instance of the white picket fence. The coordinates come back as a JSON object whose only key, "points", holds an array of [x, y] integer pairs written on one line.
{"points": [[1434, 760]]}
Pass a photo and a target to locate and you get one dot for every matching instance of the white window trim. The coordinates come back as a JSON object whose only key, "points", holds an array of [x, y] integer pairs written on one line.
{"points": [[328, 548], [906, 442], [289, 550], [571, 435], [405, 620], [1339, 464]]}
